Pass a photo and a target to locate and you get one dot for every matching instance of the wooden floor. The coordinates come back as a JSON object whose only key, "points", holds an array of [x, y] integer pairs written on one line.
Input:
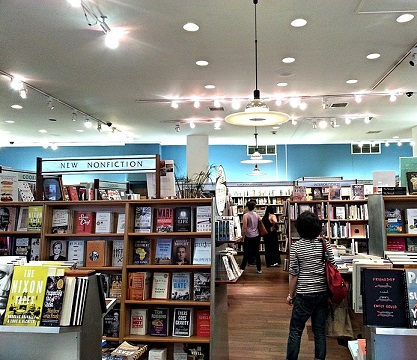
{"points": [[259, 319]]}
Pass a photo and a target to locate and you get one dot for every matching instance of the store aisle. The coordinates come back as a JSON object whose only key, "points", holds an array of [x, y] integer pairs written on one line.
{"points": [[259, 318]]}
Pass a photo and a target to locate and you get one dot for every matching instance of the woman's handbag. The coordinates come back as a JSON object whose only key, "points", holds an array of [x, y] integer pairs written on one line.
{"points": [[262, 228]]}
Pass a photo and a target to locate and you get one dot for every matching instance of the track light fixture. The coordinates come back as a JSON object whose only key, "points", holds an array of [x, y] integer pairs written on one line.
{"points": [[177, 128], [109, 124], [409, 93], [413, 53], [50, 105], [74, 116], [23, 93], [87, 123], [98, 126]]}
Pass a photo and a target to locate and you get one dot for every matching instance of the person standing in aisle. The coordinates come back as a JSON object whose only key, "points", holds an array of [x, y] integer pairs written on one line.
{"points": [[308, 286], [272, 256], [251, 237]]}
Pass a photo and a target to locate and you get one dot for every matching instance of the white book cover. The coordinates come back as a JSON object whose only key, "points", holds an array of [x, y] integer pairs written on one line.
{"points": [[23, 219], [143, 219], [25, 192], [139, 321], [76, 252], [411, 215], [121, 219], [203, 218], [117, 253], [104, 222], [160, 285], [61, 221], [202, 251]]}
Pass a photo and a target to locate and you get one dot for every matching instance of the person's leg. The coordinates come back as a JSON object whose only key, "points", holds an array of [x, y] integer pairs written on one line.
{"points": [[318, 325], [269, 251], [246, 253], [256, 244]]}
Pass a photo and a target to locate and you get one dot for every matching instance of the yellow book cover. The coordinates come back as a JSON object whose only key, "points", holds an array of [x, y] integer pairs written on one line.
{"points": [[26, 297], [35, 217]]}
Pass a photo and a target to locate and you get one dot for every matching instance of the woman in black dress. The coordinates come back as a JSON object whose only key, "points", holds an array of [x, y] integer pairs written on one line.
{"points": [[272, 255]]}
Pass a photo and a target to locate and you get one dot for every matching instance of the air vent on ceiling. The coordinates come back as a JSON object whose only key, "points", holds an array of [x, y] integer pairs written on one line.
{"points": [[374, 132], [339, 105], [216, 108]]}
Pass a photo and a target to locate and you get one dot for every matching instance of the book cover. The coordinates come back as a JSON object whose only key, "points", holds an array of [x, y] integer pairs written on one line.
{"points": [[317, 193], [393, 221], [126, 351], [58, 250], [182, 323], [160, 285], [203, 322], [77, 314], [141, 251], [26, 297], [76, 252], [357, 191], [143, 219], [139, 285], [61, 221], [203, 219], [411, 182], [183, 220], [72, 193], [384, 298], [396, 244], [358, 230], [98, 253], [411, 217], [164, 219], [6, 270], [201, 286], [102, 194], [25, 191], [54, 297], [84, 222], [35, 217], [68, 301], [117, 253], [181, 251], [160, 354], [412, 244], [139, 321], [4, 218], [23, 219], [159, 322], [181, 286], [104, 222], [299, 193], [22, 247], [411, 290], [335, 192], [35, 249], [111, 323], [202, 251], [163, 251], [115, 286], [121, 220]]}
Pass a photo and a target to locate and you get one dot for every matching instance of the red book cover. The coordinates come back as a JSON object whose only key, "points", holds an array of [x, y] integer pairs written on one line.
{"points": [[203, 323], [72, 193], [164, 220], [84, 222]]}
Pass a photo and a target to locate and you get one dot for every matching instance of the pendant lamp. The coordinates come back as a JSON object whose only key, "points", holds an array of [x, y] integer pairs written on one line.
{"points": [[256, 157], [256, 171]]}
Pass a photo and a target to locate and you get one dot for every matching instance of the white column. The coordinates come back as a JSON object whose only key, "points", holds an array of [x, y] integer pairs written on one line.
{"points": [[197, 154]]}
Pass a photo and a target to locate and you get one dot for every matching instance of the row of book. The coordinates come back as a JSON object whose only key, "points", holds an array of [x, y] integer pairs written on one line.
{"points": [[401, 221], [226, 265], [170, 219], [164, 285], [402, 244], [331, 192], [332, 212], [346, 230], [25, 218]]}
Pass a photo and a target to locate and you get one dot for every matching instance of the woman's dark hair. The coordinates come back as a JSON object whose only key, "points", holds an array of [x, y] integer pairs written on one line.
{"points": [[308, 225], [269, 210], [251, 205]]}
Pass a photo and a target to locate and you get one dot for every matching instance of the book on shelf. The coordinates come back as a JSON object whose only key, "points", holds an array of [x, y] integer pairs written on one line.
{"points": [[126, 351], [102, 194], [183, 219], [142, 252], [76, 252], [79, 300], [201, 286], [52, 188], [111, 323], [396, 244], [159, 321], [138, 321], [394, 190], [117, 253], [54, 297], [25, 191], [411, 177], [158, 354], [62, 221], [181, 251], [139, 285], [25, 303], [115, 285], [340, 212], [105, 283], [160, 285], [203, 219], [6, 269], [411, 291], [58, 250], [163, 251], [72, 193], [203, 322], [164, 219], [5, 221], [84, 222], [299, 193], [98, 253], [357, 192], [182, 322], [181, 286], [35, 217], [114, 194], [317, 193], [22, 247], [202, 251], [335, 192], [121, 222], [143, 219], [358, 230], [412, 244], [23, 220], [411, 218], [393, 221], [104, 222], [35, 248]]}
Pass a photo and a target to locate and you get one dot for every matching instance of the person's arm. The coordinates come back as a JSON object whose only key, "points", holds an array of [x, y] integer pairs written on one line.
{"points": [[273, 219], [244, 224], [292, 288]]}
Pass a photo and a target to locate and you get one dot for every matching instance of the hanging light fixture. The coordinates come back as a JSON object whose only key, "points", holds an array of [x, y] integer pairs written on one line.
{"points": [[256, 157], [256, 111], [256, 171]]}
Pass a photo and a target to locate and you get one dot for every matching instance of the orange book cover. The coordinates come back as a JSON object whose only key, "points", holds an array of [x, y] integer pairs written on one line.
{"points": [[98, 253], [139, 285]]}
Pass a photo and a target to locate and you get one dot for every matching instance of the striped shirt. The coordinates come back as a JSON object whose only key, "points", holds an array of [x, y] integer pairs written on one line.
{"points": [[306, 261]]}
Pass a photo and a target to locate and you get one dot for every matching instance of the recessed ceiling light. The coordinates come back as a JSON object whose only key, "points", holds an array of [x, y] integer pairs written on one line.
{"points": [[298, 22], [405, 18], [43, 131], [79, 130], [202, 62], [282, 84], [210, 86], [17, 106], [288, 60], [190, 27], [351, 81], [373, 56], [9, 121]]}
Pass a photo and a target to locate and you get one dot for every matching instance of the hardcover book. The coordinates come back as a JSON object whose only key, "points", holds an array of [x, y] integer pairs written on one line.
{"points": [[202, 251], [35, 217], [22, 247], [393, 221], [139, 285], [358, 230], [139, 321], [98, 253], [317, 193], [163, 252], [335, 192], [203, 218], [23, 219], [182, 324], [411, 216], [104, 222], [201, 286], [76, 252], [35, 249], [143, 219], [141, 252], [181, 251], [117, 253], [357, 191], [84, 222], [25, 303], [115, 286], [4, 219], [181, 286], [58, 250], [61, 221], [412, 244], [183, 221], [411, 183], [299, 193], [164, 219], [203, 322], [159, 322], [54, 297], [72, 193], [68, 301], [121, 220], [25, 191], [160, 285], [396, 244], [111, 323], [411, 290]]}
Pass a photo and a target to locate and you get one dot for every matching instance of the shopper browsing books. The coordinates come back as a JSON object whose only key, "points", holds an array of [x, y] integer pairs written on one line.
{"points": [[308, 286], [251, 236], [272, 256]]}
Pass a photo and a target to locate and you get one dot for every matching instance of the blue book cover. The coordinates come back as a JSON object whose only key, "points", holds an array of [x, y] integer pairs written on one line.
{"points": [[163, 252]]}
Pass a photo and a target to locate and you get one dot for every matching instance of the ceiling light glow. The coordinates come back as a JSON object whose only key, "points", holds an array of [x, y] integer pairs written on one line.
{"points": [[298, 22], [351, 81], [373, 56], [191, 27], [405, 18], [202, 62], [288, 60]]}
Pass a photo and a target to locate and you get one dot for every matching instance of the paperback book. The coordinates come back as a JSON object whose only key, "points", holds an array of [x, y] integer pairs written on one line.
{"points": [[181, 254], [163, 252], [139, 285], [164, 219], [202, 251], [141, 252], [159, 322], [181, 286], [201, 286], [54, 297], [143, 219], [183, 221], [182, 324]]}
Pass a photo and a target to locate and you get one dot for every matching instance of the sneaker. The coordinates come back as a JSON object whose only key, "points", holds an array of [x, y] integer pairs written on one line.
{"points": [[275, 265], [259, 271]]}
